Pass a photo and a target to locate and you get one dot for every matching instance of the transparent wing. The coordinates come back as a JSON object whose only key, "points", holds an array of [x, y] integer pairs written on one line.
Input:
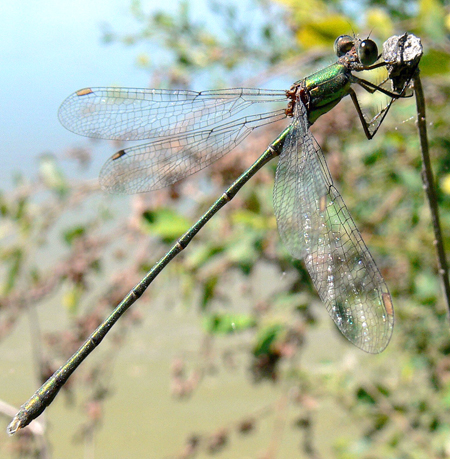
{"points": [[316, 226], [299, 178], [167, 160], [136, 114]]}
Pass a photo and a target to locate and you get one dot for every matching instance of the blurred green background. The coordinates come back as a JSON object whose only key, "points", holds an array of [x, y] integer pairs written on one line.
{"points": [[230, 352]]}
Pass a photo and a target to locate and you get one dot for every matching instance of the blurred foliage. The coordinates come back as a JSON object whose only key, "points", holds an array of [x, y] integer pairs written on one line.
{"points": [[399, 401], [217, 46]]}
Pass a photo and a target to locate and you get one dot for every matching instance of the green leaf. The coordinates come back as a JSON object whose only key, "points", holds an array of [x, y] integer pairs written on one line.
{"points": [[166, 223], [266, 338], [432, 19], [435, 62], [71, 234], [209, 287], [200, 254], [14, 259], [250, 219], [364, 396], [322, 31], [228, 323]]}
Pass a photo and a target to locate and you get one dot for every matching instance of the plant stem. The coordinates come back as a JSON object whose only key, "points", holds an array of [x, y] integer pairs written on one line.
{"points": [[429, 187]]}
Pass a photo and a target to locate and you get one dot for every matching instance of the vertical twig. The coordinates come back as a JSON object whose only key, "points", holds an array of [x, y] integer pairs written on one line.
{"points": [[429, 187], [402, 55]]}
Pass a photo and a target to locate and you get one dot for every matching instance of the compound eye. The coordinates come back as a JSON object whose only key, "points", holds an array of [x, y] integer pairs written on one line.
{"points": [[367, 52], [343, 45]]}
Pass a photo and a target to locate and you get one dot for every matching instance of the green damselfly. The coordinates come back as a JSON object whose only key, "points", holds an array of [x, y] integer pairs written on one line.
{"points": [[190, 130]]}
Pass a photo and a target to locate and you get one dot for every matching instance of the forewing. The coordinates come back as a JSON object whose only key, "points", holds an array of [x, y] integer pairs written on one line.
{"points": [[137, 114], [169, 159], [316, 225]]}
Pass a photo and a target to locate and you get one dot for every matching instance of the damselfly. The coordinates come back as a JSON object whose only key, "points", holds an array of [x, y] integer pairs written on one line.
{"points": [[189, 130]]}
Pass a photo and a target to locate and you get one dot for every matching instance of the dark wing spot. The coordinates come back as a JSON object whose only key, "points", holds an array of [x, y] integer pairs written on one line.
{"points": [[118, 155], [84, 92]]}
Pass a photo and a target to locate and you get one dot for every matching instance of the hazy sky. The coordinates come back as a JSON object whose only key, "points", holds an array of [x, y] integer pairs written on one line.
{"points": [[49, 49]]}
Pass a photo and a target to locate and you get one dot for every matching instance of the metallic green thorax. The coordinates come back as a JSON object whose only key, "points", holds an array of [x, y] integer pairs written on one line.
{"points": [[322, 90], [326, 88]]}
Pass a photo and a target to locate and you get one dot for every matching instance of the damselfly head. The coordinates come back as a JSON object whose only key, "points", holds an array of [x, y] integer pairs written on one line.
{"points": [[367, 52], [343, 44]]}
